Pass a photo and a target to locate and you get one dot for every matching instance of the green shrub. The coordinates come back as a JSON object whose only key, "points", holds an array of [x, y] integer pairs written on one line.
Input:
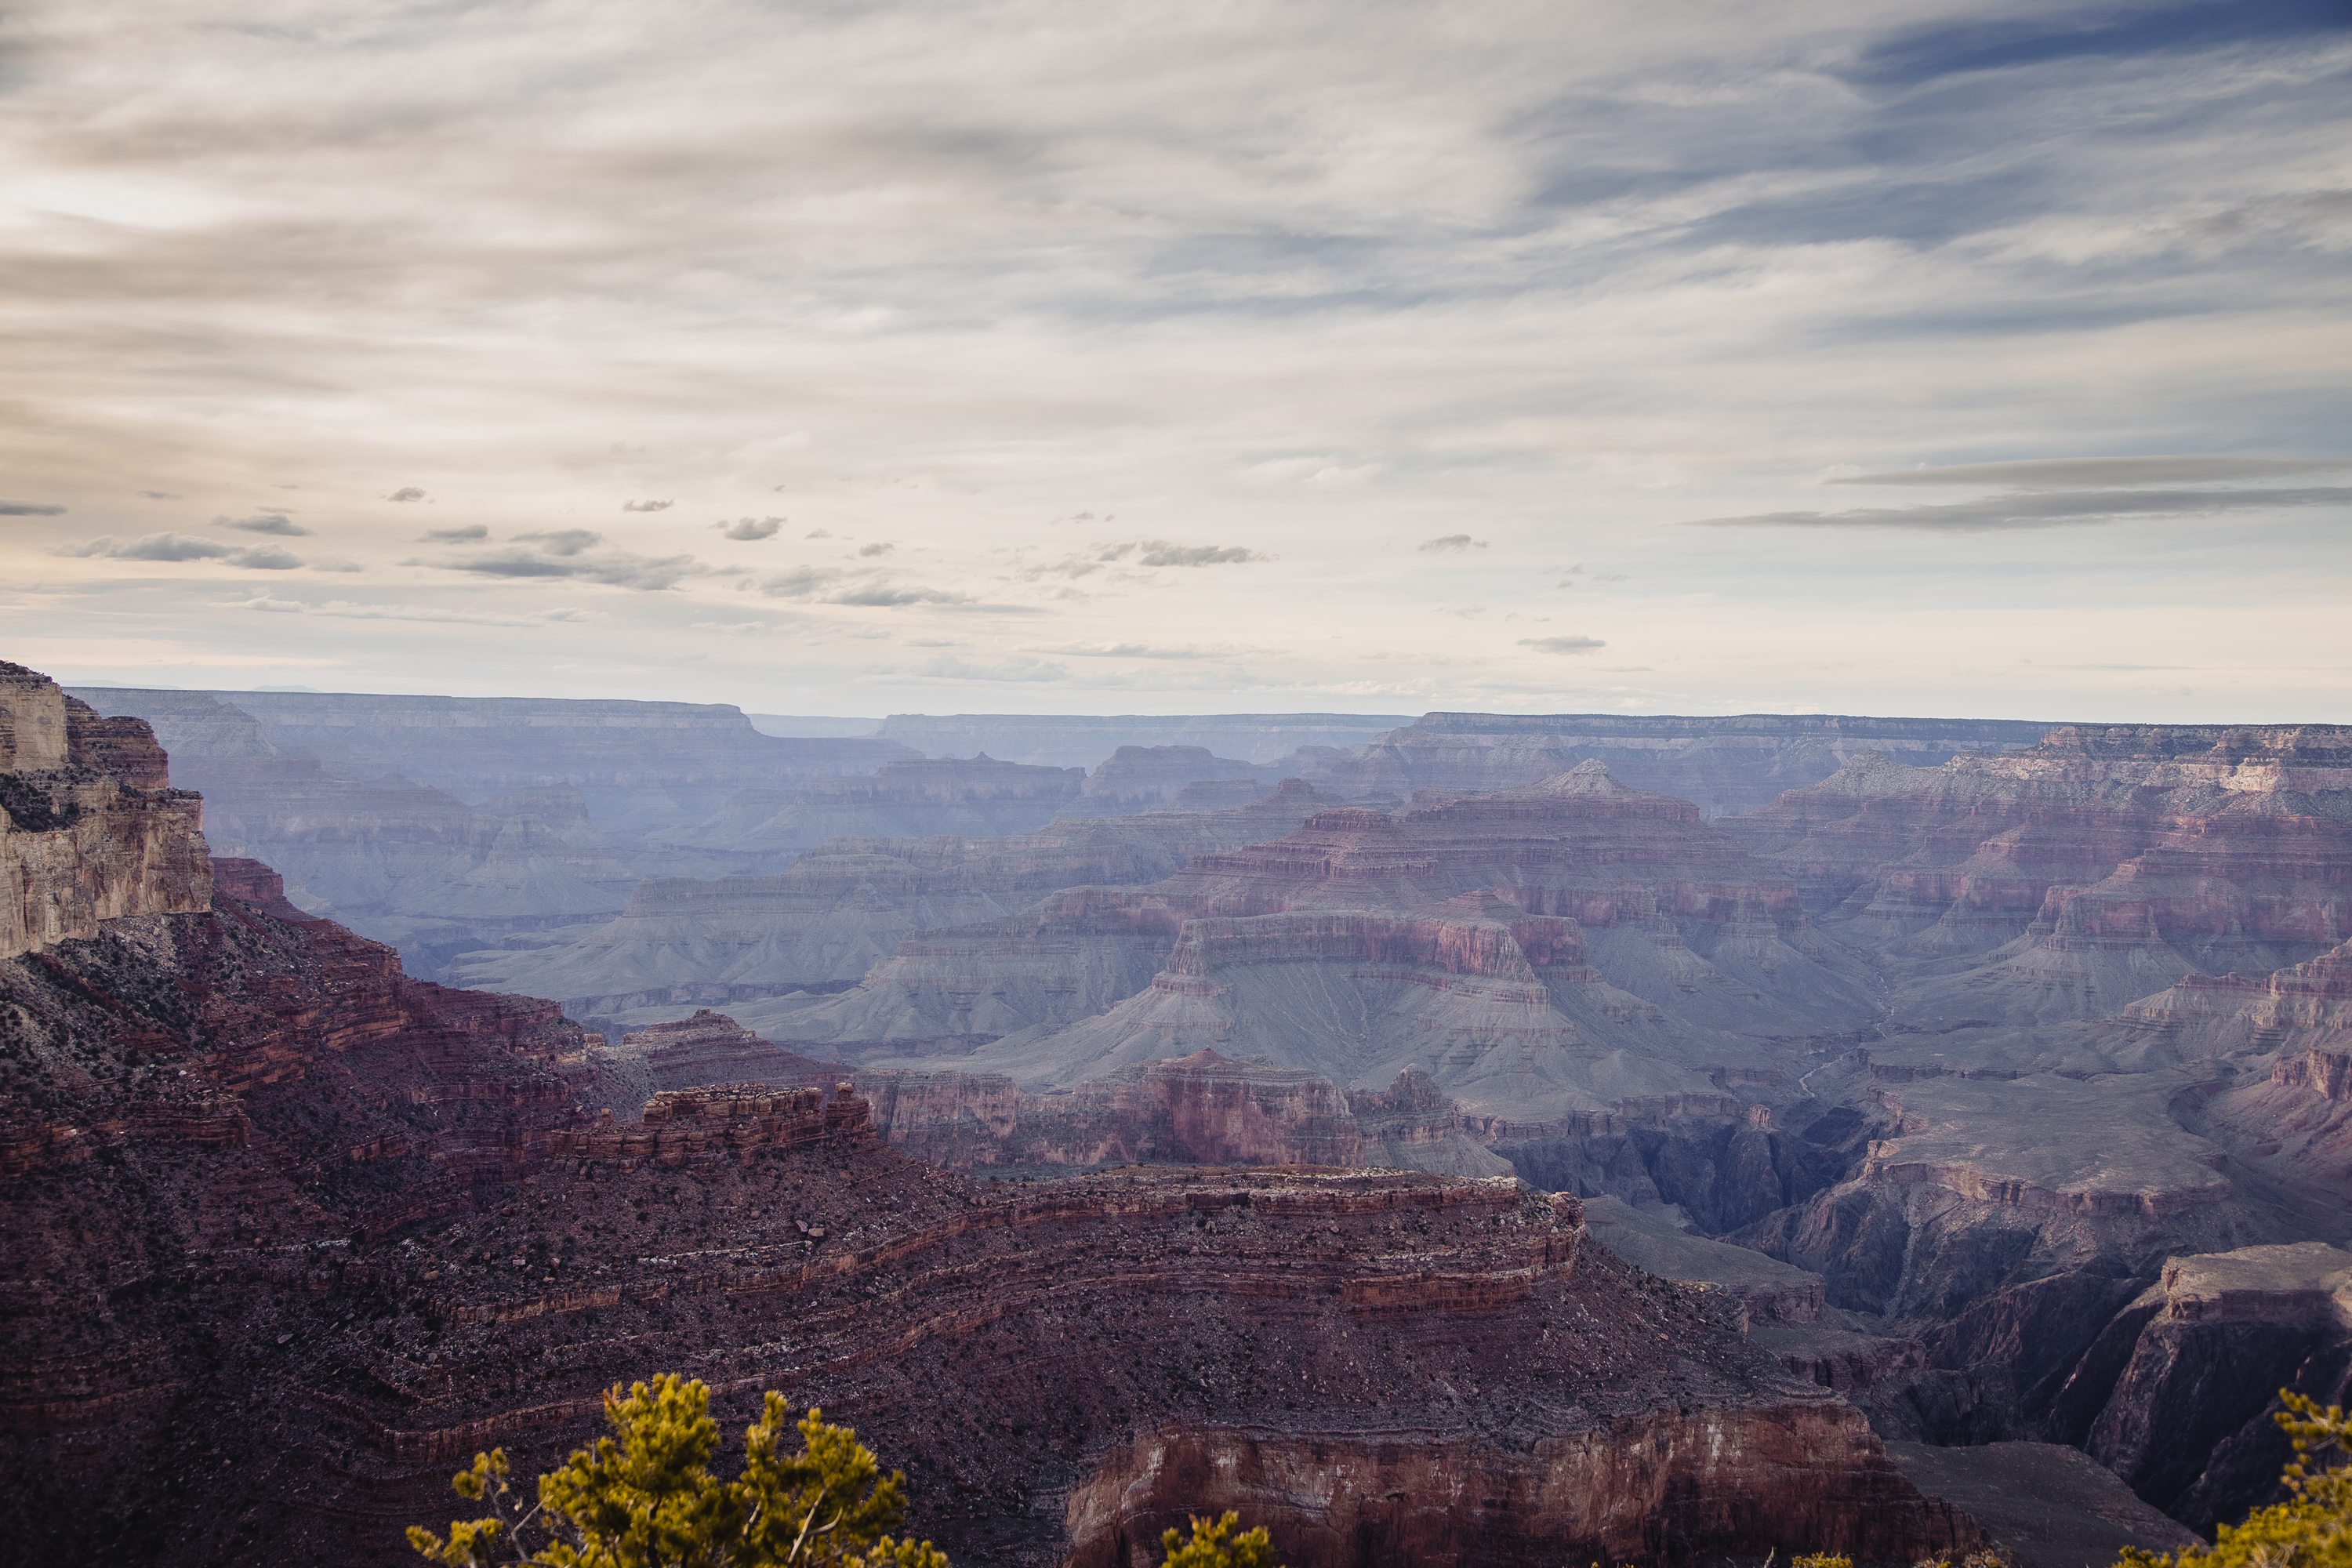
{"points": [[645, 1497], [1216, 1546]]}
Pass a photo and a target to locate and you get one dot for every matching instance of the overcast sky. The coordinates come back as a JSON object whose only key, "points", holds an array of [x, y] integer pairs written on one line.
{"points": [[1893, 357]]}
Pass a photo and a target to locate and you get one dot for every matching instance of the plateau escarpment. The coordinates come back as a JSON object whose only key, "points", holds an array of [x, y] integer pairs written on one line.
{"points": [[1722, 765]]}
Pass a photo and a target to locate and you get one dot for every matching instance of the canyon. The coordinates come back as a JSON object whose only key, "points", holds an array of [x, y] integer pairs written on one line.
{"points": [[291, 1232], [1862, 1121]]}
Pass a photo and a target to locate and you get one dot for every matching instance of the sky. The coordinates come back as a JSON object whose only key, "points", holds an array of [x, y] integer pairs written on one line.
{"points": [[1902, 357]]}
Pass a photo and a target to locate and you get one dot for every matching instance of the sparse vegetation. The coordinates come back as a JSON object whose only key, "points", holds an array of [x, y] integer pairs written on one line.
{"points": [[2312, 1529], [1217, 1546], [645, 1497]]}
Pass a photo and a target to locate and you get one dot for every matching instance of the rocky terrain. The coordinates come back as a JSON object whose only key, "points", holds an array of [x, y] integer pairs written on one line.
{"points": [[1724, 766], [290, 1233], [844, 908], [2001, 1094], [90, 829]]}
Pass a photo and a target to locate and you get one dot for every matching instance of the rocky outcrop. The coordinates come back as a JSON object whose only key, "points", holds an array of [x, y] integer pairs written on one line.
{"points": [[1202, 1109], [1142, 778], [2176, 1394], [1725, 765], [90, 828], [2077, 876], [704, 1048]]}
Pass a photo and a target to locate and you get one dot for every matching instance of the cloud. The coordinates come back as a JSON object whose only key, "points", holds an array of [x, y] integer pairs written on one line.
{"points": [[564, 540], [1563, 645], [872, 549], [571, 553], [29, 509], [886, 596], [947, 667], [800, 583], [645, 505], [159, 495], [180, 547], [274, 522], [472, 534], [748, 527], [406, 492], [1450, 544], [1160, 553], [2105, 472], [2054, 509], [353, 610], [1140, 650]]}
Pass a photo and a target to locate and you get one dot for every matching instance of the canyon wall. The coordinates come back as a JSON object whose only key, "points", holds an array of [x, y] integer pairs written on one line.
{"points": [[1725, 765], [90, 829]]}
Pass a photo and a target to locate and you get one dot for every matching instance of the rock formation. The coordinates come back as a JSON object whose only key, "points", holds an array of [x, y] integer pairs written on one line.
{"points": [[841, 909], [291, 1235], [1139, 778], [1724, 766], [90, 829]]}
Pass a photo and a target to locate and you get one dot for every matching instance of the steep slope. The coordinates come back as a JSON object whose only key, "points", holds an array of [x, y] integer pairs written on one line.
{"points": [[298, 1235]]}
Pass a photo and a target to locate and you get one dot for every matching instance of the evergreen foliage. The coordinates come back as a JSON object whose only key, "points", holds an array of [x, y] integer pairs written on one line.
{"points": [[645, 1497], [1216, 1546]]}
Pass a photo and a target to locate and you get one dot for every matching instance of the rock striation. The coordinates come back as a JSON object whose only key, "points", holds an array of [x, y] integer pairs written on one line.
{"points": [[1725, 765], [1084, 741], [90, 829], [357, 1226], [841, 909]]}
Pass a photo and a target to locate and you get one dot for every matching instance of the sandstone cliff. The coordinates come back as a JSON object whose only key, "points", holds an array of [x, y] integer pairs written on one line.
{"points": [[90, 828]]}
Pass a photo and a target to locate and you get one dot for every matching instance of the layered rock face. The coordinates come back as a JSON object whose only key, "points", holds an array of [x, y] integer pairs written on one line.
{"points": [[640, 766], [2177, 1394], [1201, 1109], [90, 828], [841, 909], [1140, 778], [1538, 952], [292, 1235], [1724, 766], [2095, 868]]}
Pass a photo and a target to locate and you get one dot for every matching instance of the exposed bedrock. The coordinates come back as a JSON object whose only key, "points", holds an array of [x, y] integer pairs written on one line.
{"points": [[2070, 880], [1668, 1488], [1724, 765], [842, 909], [1991, 1183], [1143, 778], [1203, 1108], [2177, 1392], [90, 828]]}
